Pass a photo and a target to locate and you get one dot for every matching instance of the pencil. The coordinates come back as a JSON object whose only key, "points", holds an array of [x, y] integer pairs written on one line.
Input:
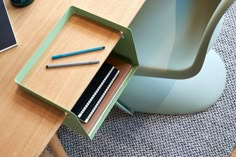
{"points": [[78, 52], [71, 64]]}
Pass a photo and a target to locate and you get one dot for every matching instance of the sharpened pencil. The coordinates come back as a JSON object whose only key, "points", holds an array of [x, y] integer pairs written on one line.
{"points": [[71, 64]]}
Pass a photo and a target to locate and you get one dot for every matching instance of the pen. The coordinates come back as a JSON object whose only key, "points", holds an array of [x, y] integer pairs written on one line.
{"points": [[78, 52], [71, 64]]}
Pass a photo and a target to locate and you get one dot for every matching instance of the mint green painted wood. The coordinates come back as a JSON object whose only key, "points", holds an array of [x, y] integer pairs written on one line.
{"points": [[124, 48], [41, 49], [172, 39]]}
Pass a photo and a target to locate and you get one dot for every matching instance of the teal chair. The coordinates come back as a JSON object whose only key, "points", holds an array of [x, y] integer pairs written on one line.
{"points": [[179, 73]]}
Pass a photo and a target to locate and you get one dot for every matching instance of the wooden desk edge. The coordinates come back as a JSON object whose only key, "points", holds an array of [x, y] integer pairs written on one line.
{"points": [[28, 138]]}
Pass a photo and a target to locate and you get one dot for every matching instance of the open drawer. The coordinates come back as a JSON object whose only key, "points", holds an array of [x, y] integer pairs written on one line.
{"points": [[62, 87]]}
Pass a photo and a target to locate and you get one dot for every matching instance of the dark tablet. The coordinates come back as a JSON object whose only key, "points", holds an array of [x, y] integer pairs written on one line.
{"points": [[7, 37]]}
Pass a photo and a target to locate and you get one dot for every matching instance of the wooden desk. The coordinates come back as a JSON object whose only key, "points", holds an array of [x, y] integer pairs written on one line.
{"points": [[27, 123]]}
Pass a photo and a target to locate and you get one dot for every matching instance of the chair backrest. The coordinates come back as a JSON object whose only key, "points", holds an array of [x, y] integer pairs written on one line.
{"points": [[172, 36]]}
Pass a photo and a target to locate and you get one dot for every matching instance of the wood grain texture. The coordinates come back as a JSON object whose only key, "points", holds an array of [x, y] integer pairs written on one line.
{"points": [[63, 86], [233, 154], [27, 123], [118, 11]]}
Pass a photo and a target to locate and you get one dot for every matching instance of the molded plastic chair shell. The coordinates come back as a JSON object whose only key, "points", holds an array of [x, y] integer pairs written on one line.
{"points": [[177, 74], [172, 36]]}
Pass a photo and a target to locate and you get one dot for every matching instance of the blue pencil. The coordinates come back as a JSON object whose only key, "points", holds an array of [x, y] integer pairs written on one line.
{"points": [[78, 52]]}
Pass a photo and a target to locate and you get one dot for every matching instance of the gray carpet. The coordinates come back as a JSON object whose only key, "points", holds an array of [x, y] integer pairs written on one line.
{"points": [[209, 133]]}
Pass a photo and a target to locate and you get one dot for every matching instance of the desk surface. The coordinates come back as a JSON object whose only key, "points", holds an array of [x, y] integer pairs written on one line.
{"points": [[27, 123]]}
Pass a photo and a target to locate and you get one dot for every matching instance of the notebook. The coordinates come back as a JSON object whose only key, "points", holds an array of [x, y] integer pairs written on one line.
{"points": [[7, 37], [95, 92], [99, 96]]}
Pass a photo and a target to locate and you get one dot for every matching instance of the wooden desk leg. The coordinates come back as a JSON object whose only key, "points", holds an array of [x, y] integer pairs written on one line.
{"points": [[56, 147], [233, 154], [45, 153]]}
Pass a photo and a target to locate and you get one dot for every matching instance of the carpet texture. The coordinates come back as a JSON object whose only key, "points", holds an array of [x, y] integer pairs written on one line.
{"points": [[209, 133]]}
